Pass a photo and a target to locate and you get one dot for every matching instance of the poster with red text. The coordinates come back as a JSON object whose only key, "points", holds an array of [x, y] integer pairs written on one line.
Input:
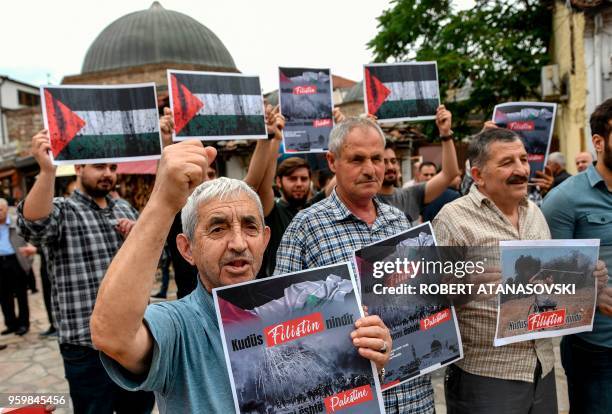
{"points": [[305, 97], [534, 122], [547, 290], [423, 327], [288, 348]]}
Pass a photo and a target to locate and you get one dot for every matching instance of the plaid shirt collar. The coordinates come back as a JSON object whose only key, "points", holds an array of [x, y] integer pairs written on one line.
{"points": [[479, 198], [385, 214], [88, 201]]}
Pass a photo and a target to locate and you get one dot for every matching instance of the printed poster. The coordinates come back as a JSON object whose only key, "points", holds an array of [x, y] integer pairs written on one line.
{"points": [[424, 329], [305, 97], [397, 92], [288, 348], [214, 106], [534, 122], [549, 289], [101, 123]]}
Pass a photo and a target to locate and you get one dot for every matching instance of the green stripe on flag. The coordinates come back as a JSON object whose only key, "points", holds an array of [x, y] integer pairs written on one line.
{"points": [[224, 125], [411, 108], [111, 146]]}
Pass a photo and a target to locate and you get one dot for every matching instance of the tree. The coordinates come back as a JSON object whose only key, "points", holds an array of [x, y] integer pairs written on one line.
{"points": [[496, 48]]}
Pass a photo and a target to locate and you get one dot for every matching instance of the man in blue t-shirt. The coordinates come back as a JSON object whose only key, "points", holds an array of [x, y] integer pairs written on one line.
{"points": [[581, 208], [175, 348]]}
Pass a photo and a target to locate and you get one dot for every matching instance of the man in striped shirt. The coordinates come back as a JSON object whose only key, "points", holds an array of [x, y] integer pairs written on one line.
{"points": [[515, 378]]}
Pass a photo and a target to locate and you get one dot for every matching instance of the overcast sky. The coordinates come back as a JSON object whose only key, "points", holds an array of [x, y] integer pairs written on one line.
{"points": [[42, 41]]}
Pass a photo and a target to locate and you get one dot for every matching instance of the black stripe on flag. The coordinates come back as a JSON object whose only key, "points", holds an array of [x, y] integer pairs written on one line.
{"points": [[105, 99], [221, 84], [291, 72], [400, 73]]}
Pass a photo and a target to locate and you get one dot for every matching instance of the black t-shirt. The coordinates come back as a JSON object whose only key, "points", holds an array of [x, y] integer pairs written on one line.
{"points": [[278, 220]]}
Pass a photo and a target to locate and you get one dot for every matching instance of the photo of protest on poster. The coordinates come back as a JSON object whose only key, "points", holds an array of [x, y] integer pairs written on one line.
{"points": [[216, 106], [396, 92], [306, 103], [287, 344], [534, 123], [549, 289], [98, 124], [424, 328]]}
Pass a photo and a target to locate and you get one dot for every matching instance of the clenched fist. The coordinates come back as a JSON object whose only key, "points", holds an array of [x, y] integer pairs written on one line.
{"points": [[181, 169]]}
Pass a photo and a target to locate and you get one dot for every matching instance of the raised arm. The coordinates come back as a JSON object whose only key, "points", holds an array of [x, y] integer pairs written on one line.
{"points": [[262, 167], [117, 326], [39, 202], [450, 167]]}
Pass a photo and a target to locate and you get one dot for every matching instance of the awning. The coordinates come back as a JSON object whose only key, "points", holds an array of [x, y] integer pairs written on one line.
{"points": [[137, 167]]}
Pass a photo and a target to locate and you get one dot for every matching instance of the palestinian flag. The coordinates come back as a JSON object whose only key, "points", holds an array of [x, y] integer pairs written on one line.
{"points": [[402, 91], [213, 106], [102, 124]]}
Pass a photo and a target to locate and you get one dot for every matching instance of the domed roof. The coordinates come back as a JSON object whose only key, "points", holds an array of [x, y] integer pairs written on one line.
{"points": [[156, 35]]}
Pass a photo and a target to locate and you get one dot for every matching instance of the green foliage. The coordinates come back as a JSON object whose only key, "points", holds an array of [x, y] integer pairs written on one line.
{"points": [[499, 46]]}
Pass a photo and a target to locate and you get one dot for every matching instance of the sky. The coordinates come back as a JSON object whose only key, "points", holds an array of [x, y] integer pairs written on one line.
{"points": [[44, 41]]}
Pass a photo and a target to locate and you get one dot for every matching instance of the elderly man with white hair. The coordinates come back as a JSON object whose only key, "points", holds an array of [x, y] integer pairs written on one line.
{"points": [[175, 348], [556, 163]]}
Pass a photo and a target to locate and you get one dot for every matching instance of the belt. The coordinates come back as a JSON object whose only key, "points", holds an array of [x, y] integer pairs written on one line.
{"points": [[8, 257]]}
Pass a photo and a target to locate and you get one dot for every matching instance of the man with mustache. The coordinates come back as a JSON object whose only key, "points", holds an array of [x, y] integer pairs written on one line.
{"points": [[581, 208], [411, 200], [350, 218], [515, 378], [80, 235], [175, 348]]}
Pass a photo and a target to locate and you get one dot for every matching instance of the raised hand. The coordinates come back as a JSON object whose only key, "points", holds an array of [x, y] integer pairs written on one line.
{"points": [[41, 148]]}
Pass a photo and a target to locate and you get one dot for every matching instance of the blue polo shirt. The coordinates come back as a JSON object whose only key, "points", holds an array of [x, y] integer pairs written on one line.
{"points": [[581, 208], [188, 372], [6, 248]]}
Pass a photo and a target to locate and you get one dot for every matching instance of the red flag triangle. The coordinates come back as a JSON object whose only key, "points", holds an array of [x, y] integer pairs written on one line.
{"points": [[63, 123], [186, 104], [284, 78], [377, 92]]}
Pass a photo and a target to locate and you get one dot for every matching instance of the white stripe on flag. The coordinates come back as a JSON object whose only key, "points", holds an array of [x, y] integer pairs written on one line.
{"points": [[225, 104], [408, 91], [138, 121]]}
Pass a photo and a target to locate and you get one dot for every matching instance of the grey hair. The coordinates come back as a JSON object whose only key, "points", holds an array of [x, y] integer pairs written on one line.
{"points": [[558, 158], [3, 202], [478, 149], [340, 131], [220, 189]]}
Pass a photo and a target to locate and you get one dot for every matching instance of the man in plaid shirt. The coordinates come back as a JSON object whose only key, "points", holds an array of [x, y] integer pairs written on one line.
{"points": [[80, 235], [329, 231]]}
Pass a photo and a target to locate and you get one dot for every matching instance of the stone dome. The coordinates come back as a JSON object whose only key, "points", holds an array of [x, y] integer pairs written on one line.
{"points": [[156, 35]]}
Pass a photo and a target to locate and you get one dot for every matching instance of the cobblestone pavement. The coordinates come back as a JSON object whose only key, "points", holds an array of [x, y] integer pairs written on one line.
{"points": [[33, 365]]}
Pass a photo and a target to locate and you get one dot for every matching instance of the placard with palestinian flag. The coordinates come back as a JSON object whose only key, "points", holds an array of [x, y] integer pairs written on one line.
{"points": [[397, 92], [214, 106], [424, 328], [305, 97], [101, 123], [288, 348], [534, 123]]}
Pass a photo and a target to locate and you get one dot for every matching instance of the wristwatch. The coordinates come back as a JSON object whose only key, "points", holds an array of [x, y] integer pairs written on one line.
{"points": [[449, 137], [381, 375]]}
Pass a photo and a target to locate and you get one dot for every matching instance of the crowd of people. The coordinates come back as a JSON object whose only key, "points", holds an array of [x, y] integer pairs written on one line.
{"points": [[101, 254]]}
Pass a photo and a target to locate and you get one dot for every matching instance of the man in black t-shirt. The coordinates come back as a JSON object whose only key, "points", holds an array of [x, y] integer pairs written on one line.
{"points": [[293, 180]]}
